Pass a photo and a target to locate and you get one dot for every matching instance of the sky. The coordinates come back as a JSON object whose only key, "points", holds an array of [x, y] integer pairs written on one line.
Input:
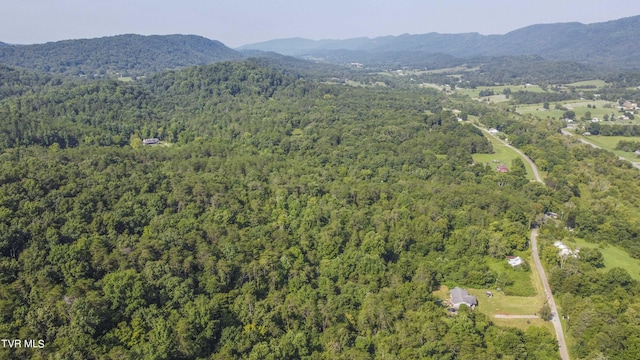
{"points": [[241, 22]]}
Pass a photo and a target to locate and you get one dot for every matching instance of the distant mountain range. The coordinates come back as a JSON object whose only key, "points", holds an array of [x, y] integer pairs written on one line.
{"points": [[606, 44], [123, 54]]}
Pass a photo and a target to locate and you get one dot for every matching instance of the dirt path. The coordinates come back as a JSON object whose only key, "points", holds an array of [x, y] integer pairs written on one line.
{"points": [[505, 316]]}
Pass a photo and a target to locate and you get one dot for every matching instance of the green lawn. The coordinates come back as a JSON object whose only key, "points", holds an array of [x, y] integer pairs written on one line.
{"points": [[503, 154], [610, 143], [505, 305], [498, 89], [613, 257], [499, 303], [580, 107], [588, 84], [522, 280]]}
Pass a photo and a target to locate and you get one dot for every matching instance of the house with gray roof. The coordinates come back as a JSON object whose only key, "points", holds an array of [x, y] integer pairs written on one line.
{"points": [[461, 296]]}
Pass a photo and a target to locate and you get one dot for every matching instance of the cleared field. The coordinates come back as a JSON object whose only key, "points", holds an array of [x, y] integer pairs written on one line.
{"points": [[598, 109], [610, 143], [503, 155], [522, 281], [501, 304], [499, 89], [588, 84], [613, 257]]}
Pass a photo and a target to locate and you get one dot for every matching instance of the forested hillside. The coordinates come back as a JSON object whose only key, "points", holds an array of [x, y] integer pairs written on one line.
{"points": [[282, 216], [607, 44], [122, 55], [279, 217]]}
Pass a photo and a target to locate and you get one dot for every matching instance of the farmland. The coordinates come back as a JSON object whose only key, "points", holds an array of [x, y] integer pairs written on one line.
{"points": [[613, 257]]}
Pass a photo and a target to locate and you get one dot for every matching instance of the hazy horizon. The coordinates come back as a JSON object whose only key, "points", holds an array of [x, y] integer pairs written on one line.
{"points": [[246, 22]]}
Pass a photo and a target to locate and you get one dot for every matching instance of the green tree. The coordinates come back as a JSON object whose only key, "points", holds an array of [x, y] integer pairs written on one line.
{"points": [[545, 312]]}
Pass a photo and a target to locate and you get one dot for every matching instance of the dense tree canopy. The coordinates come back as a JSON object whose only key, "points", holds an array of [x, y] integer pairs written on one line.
{"points": [[279, 218], [284, 217]]}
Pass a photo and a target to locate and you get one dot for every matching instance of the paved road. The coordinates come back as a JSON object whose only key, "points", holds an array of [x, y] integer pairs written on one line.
{"points": [[562, 344], [564, 353], [584, 141], [534, 168]]}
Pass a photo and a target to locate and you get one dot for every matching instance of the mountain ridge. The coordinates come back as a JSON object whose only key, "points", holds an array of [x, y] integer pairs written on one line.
{"points": [[127, 54], [607, 43]]}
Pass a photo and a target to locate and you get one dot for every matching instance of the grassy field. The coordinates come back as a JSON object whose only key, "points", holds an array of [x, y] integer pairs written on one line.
{"points": [[610, 143], [613, 257], [588, 84], [506, 304], [580, 107], [503, 155], [522, 280], [474, 93]]}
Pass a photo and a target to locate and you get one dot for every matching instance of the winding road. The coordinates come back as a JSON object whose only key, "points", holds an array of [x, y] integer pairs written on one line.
{"points": [[567, 133], [562, 344], [534, 168]]}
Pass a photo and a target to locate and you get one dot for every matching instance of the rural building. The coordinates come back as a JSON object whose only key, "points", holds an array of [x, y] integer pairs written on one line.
{"points": [[493, 131], [514, 260], [564, 250], [151, 141], [461, 296], [502, 168], [628, 106]]}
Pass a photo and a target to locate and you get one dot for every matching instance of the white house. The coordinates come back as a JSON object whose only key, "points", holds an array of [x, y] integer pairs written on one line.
{"points": [[564, 250], [514, 260], [151, 141]]}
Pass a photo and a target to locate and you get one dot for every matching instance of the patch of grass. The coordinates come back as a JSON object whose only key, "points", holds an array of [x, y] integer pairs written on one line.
{"points": [[504, 304], [522, 284], [588, 84], [474, 93], [580, 107], [610, 143], [500, 303], [613, 257], [523, 324], [502, 154]]}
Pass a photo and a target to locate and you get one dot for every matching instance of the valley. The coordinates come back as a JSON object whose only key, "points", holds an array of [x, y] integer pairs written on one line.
{"points": [[169, 197]]}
